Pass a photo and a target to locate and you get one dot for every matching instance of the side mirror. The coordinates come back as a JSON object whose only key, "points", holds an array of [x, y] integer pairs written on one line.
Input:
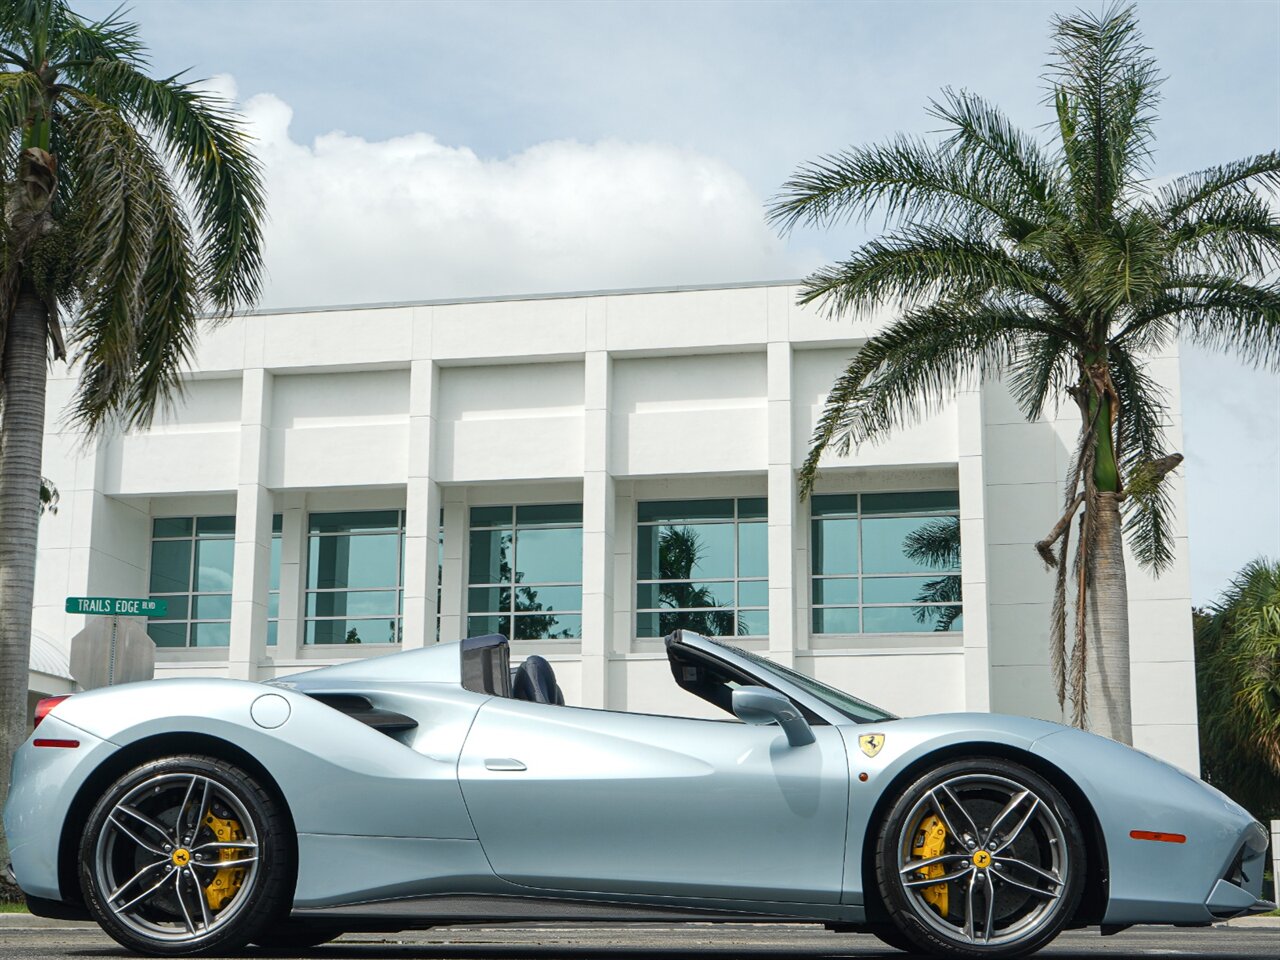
{"points": [[761, 705]]}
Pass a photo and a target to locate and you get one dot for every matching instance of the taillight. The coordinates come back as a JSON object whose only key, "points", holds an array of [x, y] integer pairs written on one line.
{"points": [[45, 705]]}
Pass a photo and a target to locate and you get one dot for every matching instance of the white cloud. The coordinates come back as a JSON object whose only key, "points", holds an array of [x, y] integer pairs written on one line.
{"points": [[411, 218]]}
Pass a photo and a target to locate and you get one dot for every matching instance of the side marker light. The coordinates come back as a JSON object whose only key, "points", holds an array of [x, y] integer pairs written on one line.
{"points": [[1158, 836]]}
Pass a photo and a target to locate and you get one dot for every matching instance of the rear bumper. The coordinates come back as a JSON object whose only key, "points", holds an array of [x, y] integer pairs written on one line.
{"points": [[56, 909], [45, 783]]}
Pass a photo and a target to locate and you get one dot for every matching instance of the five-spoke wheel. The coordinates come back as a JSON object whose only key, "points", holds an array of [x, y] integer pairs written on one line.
{"points": [[184, 856], [982, 858]]}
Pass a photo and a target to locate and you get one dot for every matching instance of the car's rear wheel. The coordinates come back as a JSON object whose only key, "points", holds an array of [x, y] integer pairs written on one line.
{"points": [[184, 856], [980, 858]]}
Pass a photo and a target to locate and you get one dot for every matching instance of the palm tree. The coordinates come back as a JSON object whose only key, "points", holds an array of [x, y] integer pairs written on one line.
{"points": [[1238, 687], [1057, 266], [131, 206]]}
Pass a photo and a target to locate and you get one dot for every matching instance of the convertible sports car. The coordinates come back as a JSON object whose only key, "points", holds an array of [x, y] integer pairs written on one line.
{"points": [[439, 786]]}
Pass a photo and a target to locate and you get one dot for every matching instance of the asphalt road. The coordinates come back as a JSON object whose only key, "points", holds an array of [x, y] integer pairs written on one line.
{"points": [[24, 938]]}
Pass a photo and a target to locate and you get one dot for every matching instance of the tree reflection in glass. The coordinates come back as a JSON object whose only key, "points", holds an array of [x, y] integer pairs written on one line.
{"points": [[688, 605], [534, 620], [935, 545]]}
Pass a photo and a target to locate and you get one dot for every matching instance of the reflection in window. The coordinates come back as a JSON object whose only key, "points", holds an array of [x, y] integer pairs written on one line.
{"points": [[191, 564], [886, 563], [355, 577], [273, 594], [439, 571], [525, 572], [702, 565]]}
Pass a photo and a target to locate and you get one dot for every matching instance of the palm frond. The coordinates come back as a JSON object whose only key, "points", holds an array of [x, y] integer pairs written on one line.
{"points": [[1140, 430], [1185, 195], [910, 369], [1105, 89], [20, 93], [116, 171], [920, 263], [21, 21], [75, 40], [1238, 661], [985, 137], [170, 318], [1045, 368], [208, 148], [1126, 262], [1236, 233], [906, 180], [1226, 314]]}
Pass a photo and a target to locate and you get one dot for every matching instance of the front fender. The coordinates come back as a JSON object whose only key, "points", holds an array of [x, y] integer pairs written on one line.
{"points": [[906, 743], [1155, 882]]}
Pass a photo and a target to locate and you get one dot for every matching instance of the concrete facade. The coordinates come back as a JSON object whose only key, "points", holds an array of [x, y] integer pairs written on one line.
{"points": [[607, 400]]}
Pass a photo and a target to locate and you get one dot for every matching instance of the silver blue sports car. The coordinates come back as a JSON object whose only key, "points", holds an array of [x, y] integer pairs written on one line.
{"points": [[439, 786]]}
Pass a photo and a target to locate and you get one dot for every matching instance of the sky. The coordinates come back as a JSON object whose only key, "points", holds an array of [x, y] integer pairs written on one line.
{"points": [[433, 150]]}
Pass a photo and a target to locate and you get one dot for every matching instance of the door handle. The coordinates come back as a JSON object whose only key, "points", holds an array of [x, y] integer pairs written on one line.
{"points": [[504, 763]]}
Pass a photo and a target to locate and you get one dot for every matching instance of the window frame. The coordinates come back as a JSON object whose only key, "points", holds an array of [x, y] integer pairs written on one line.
{"points": [[858, 516], [308, 591], [511, 614], [735, 581], [191, 593]]}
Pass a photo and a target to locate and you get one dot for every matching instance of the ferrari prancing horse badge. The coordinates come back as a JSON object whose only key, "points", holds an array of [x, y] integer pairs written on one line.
{"points": [[871, 743]]}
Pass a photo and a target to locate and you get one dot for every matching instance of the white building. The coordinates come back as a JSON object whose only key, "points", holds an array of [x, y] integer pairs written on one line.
{"points": [[624, 453]]}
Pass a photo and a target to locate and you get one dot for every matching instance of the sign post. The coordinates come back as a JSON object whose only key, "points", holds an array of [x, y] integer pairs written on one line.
{"points": [[1275, 860], [138, 662]]}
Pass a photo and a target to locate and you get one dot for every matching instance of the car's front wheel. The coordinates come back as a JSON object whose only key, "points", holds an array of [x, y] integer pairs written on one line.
{"points": [[185, 855], [980, 858]]}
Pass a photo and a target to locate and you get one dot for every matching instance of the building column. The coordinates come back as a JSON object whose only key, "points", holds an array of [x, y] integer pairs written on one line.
{"points": [[783, 629], [422, 512], [973, 553], [598, 492], [252, 564], [293, 570]]}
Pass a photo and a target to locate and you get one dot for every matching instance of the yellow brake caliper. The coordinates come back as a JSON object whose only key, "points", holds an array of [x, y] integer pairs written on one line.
{"points": [[931, 840], [226, 881]]}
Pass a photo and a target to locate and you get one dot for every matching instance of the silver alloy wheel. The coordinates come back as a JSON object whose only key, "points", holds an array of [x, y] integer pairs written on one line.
{"points": [[1005, 863], [156, 856]]}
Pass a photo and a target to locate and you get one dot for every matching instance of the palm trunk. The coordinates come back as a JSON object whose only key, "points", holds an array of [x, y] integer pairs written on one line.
{"points": [[22, 404], [1107, 690]]}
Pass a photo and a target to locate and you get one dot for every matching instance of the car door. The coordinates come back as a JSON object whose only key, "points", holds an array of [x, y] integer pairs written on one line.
{"points": [[573, 799]]}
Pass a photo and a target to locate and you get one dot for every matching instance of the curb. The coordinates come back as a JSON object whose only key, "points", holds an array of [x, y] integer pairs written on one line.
{"points": [[1272, 922]]}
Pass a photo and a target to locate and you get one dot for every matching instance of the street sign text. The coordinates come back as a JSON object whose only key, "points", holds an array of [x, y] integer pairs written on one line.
{"points": [[117, 606]]}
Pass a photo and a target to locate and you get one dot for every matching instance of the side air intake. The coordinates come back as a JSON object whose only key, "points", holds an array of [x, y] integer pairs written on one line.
{"points": [[360, 708]]}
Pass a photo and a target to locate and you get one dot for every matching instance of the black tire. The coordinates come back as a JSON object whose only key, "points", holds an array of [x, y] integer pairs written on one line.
{"points": [[296, 935], [208, 825], [1009, 847], [891, 936]]}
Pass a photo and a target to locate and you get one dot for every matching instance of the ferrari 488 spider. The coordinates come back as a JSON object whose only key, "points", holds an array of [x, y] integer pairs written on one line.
{"points": [[439, 786]]}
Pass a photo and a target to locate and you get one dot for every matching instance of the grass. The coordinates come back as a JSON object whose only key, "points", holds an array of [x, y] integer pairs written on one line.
{"points": [[8, 907]]}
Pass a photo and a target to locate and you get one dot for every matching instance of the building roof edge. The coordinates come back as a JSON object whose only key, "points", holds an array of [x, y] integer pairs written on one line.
{"points": [[563, 295]]}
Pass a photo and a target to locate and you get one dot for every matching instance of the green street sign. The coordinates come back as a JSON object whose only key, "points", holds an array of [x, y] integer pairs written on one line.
{"points": [[117, 606]]}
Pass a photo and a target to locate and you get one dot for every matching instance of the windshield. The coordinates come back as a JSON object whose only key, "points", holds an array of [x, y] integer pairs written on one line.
{"points": [[856, 710]]}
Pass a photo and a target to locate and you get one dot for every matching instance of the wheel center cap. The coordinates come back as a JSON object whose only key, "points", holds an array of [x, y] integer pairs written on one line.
{"points": [[181, 857], [982, 859]]}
